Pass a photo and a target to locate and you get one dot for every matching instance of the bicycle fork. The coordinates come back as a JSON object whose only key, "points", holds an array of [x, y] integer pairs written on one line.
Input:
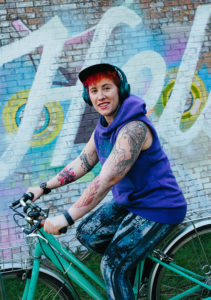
{"points": [[31, 281], [32, 277]]}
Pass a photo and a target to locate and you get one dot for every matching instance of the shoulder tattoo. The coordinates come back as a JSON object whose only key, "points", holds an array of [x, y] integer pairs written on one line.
{"points": [[132, 135], [135, 132]]}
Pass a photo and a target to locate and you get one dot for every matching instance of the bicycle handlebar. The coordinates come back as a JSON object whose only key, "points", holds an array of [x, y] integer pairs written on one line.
{"points": [[25, 197], [31, 212]]}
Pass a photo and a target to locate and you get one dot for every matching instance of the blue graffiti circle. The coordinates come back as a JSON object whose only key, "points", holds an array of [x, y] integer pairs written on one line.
{"points": [[49, 125]]}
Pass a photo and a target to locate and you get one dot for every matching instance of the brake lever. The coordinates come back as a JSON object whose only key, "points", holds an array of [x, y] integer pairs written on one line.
{"points": [[33, 227]]}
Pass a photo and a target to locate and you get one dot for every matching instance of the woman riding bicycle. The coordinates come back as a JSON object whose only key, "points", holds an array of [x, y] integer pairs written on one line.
{"points": [[147, 201]]}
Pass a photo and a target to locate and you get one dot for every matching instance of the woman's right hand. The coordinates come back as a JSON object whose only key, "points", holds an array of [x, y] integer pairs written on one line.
{"points": [[37, 191]]}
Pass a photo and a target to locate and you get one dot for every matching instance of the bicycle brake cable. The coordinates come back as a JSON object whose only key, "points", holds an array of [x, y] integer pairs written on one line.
{"points": [[53, 252]]}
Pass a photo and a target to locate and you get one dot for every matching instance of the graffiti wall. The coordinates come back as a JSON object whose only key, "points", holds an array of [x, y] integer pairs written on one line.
{"points": [[164, 47]]}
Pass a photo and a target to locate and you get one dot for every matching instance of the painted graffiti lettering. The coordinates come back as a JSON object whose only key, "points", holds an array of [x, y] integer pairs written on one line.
{"points": [[52, 47], [171, 115], [175, 106], [41, 91]]}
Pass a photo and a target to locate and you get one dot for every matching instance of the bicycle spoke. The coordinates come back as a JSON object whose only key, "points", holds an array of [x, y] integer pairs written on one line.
{"points": [[47, 288]]}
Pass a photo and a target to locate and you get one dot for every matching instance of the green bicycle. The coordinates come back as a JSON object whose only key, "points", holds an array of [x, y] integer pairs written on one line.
{"points": [[179, 269]]}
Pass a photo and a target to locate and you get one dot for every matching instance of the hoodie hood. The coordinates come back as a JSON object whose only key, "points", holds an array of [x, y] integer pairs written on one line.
{"points": [[132, 108]]}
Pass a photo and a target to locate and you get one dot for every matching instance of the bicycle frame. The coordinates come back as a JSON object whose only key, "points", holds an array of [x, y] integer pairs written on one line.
{"points": [[187, 274], [66, 263]]}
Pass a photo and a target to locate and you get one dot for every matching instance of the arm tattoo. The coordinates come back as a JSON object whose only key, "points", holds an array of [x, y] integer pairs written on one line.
{"points": [[66, 176], [134, 134], [91, 191], [85, 163]]}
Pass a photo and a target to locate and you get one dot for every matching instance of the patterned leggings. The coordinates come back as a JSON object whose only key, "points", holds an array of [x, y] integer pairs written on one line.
{"points": [[124, 239]]}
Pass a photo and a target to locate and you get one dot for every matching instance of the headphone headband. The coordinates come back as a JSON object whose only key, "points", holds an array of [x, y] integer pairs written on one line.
{"points": [[124, 90]]}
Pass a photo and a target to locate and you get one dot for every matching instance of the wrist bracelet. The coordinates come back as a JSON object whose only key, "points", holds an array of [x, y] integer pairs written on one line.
{"points": [[68, 217], [46, 190]]}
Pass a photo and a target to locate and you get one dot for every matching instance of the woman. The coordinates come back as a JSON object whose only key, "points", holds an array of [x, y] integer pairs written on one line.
{"points": [[147, 202]]}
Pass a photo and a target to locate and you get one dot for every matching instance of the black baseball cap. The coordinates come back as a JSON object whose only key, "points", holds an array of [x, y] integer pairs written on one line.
{"points": [[84, 74]]}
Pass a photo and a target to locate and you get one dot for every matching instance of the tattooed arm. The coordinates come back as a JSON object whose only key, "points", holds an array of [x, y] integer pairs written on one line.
{"points": [[132, 138], [77, 168], [74, 170]]}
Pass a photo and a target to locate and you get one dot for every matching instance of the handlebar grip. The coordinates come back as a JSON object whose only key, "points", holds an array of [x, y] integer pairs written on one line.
{"points": [[15, 203], [63, 230], [28, 196], [25, 197]]}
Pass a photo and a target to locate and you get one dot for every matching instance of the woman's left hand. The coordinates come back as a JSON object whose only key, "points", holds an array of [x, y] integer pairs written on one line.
{"points": [[54, 224]]}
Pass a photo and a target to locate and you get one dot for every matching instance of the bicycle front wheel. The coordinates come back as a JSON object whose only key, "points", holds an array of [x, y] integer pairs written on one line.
{"points": [[191, 252], [48, 287]]}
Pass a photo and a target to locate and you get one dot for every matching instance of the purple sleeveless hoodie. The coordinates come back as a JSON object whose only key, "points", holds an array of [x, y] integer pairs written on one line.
{"points": [[149, 189]]}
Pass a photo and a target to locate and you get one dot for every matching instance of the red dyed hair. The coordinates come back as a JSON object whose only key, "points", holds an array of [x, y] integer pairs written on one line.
{"points": [[112, 75]]}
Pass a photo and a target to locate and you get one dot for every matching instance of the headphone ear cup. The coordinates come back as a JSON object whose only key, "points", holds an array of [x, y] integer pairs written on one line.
{"points": [[85, 96], [124, 90], [127, 89]]}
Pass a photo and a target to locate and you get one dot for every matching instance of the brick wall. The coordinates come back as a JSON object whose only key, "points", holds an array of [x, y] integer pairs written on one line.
{"points": [[164, 49]]}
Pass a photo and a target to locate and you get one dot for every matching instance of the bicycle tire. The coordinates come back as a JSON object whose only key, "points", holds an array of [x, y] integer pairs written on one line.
{"points": [[48, 287], [187, 253]]}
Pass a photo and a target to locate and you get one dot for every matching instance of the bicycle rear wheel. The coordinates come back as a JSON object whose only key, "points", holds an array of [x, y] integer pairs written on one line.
{"points": [[192, 252], [48, 287]]}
